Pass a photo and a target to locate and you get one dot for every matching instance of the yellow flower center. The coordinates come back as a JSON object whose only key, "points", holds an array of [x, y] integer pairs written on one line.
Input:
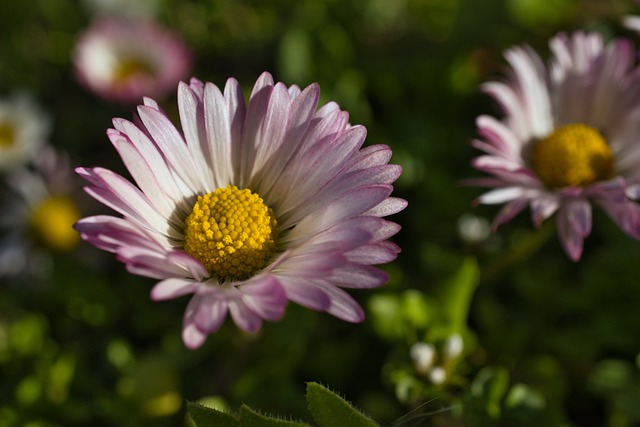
{"points": [[52, 222], [7, 135], [232, 232], [128, 67], [573, 155]]}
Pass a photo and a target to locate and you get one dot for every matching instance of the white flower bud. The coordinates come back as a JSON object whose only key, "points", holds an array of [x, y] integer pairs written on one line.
{"points": [[453, 347], [473, 229], [423, 356], [437, 375]]}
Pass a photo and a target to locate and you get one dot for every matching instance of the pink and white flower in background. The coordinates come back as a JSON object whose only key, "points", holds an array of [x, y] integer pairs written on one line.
{"points": [[569, 138], [123, 60], [248, 206]]}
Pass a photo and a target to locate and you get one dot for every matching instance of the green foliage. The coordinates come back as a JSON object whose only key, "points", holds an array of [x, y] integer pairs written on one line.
{"points": [[327, 409], [489, 388], [204, 417]]}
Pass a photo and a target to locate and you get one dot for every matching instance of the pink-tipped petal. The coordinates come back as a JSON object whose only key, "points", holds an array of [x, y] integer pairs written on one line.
{"points": [[211, 312], [343, 306], [192, 336], [246, 319]]}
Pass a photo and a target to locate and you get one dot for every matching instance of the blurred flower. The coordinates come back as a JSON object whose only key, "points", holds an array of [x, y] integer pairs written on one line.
{"points": [[37, 214], [24, 128], [125, 60], [569, 138], [250, 206]]}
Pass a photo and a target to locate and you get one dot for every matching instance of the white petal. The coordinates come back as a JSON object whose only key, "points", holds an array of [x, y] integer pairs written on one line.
{"points": [[501, 195], [172, 288]]}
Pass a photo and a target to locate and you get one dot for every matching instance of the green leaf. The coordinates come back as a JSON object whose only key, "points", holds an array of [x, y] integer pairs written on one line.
{"points": [[208, 417], [416, 308], [611, 376], [490, 385], [386, 316], [251, 418], [330, 410], [523, 396], [455, 295]]}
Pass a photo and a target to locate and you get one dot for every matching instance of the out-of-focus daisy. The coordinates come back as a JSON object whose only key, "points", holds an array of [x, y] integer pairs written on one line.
{"points": [[124, 60], [570, 137], [24, 128], [37, 214], [250, 206]]}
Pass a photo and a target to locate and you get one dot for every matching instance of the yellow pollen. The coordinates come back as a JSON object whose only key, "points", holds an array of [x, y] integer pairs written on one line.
{"points": [[52, 222], [128, 67], [231, 231], [7, 135], [573, 155]]}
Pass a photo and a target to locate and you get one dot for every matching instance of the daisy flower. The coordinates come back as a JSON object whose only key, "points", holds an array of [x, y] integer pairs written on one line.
{"points": [[24, 128], [37, 214], [124, 60], [249, 206], [569, 137]]}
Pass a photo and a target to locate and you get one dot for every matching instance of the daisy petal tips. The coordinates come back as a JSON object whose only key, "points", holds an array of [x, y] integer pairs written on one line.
{"points": [[568, 140], [248, 206]]}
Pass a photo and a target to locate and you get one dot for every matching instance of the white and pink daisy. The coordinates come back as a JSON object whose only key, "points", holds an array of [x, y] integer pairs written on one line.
{"points": [[249, 206], [124, 60], [569, 139]]}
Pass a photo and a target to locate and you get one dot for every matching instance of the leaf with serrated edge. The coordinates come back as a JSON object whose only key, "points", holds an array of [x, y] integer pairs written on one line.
{"points": [[251, 418], [203, 416], [330, 410]]}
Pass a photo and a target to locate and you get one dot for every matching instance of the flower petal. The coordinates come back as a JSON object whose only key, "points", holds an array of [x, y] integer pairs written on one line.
{"points": [[574, 224], [172, 288], [211, 312]]}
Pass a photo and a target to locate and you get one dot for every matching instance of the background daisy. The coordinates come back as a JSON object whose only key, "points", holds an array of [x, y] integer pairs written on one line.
{"points": [[37, 215], [24, 128], [124, 60], [568, 139]]}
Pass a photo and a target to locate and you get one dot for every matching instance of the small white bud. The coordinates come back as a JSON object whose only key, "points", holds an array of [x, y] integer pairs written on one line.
{"points": [[453, 347], [473, 229], [437, 375], [423, 356]]}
